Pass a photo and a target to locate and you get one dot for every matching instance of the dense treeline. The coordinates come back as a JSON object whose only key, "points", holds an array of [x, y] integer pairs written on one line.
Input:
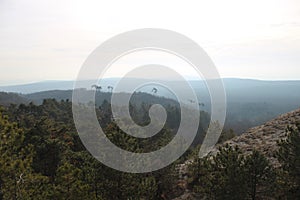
{"points": [[233, 175], [43, 157], [240, 115]]}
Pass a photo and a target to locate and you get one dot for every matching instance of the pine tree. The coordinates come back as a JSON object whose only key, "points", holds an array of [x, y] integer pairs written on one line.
{"points": [[289, 158], [17, 179], [260, 176], [222, 176], [201, 177], [229, 174], [69, 182]]}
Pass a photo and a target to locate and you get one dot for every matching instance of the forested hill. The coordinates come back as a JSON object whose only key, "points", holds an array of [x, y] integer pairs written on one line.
{"points": [[249, 102], [12, 98], [240, 115], [42, 157], [137, 98], [140, 103], [38, 98]]}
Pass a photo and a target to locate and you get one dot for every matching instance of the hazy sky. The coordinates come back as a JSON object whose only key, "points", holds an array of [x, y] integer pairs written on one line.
{"points": [[49, 39]]}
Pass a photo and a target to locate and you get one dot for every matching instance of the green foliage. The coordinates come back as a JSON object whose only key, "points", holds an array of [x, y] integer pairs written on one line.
{"points": [[201, 177], [17, 179], [231, 175], [289, 157], [42, 157], [44, 149], [69, 182], [260, 176]]}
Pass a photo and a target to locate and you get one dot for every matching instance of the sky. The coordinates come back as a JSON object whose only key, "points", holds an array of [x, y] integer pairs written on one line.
{"points": [[50, 39]]}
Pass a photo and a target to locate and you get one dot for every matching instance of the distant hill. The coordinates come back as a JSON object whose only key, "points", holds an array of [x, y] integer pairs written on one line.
{"points": [[51, 85], [247, 90], [38, 87], [249, 102], [284, 95], [137, 98], [11, 98]]}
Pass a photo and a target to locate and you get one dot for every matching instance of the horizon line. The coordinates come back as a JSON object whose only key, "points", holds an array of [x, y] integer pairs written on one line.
{"points": [[189, 79]]}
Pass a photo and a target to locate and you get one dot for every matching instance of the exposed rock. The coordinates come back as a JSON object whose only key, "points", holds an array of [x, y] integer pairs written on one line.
{"points": [[264, 138]]}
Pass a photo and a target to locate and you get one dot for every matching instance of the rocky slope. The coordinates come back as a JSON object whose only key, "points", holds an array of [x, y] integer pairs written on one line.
{"points": [[262, 138]]}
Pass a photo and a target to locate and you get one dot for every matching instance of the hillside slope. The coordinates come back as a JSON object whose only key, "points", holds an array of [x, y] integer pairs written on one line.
{"points": [[11, 98], [264, 138]]}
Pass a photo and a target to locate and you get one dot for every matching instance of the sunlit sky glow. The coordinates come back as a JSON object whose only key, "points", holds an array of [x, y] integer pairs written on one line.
{"points": [[49, 40]]}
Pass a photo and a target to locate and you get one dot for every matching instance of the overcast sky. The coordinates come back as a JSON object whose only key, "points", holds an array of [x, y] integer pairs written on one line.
{"points": [[49, 39]]}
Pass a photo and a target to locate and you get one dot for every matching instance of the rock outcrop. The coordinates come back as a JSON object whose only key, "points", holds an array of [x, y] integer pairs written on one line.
{"points": [[264, 138]]}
